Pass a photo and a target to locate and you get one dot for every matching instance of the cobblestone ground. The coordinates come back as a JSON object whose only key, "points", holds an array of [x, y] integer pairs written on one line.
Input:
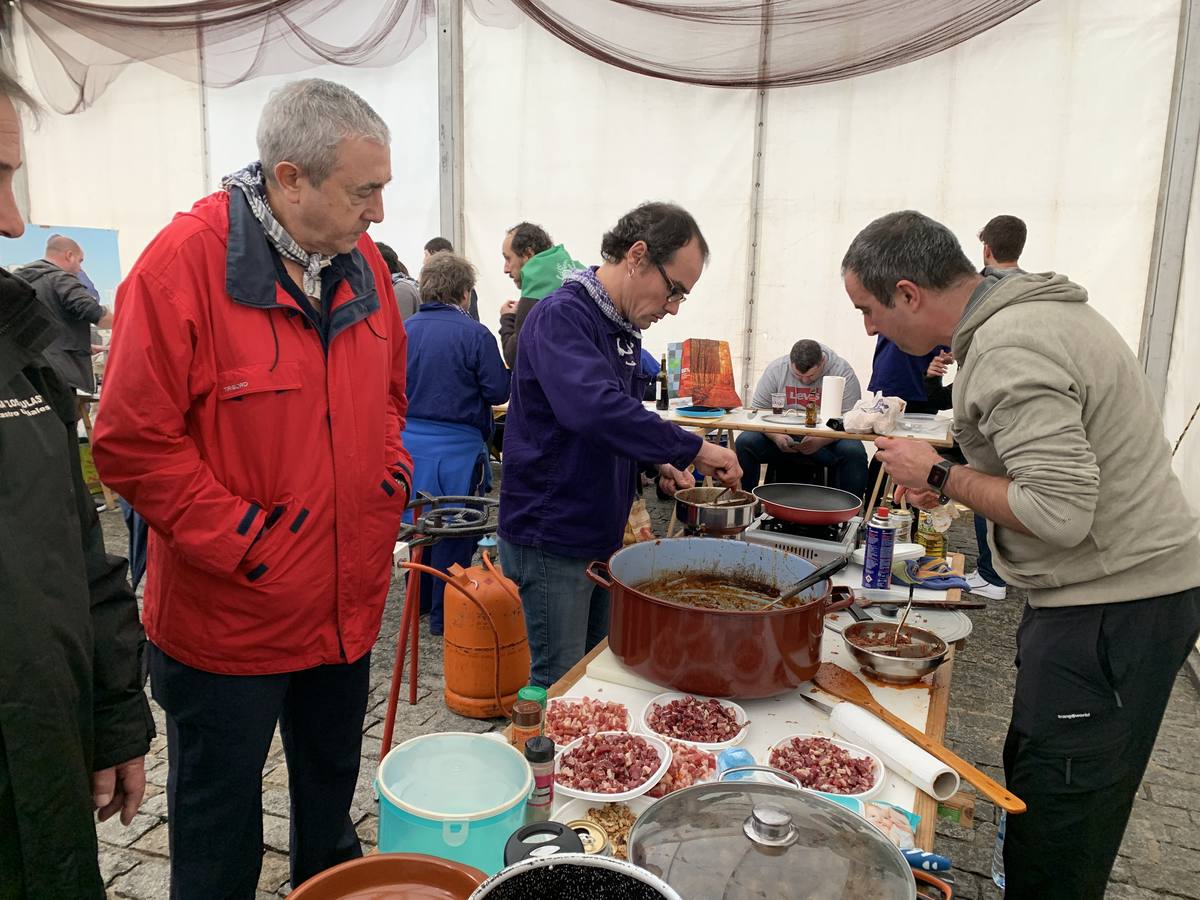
{"points": [[1160, 857]]}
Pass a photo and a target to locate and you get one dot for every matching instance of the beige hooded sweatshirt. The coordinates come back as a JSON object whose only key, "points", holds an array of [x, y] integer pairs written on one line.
{"points": [[1049, 395]]}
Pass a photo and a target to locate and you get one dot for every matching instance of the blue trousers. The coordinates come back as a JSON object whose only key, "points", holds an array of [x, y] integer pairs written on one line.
{"points": [[219, 731], [565, 614], [846, 461], [986, 572]]}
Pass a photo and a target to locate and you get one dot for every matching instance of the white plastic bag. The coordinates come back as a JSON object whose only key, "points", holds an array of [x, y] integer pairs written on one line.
{"points": [[874, 413]]}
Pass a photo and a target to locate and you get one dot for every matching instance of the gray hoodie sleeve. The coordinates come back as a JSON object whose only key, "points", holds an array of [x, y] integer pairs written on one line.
{"points": [[770, 382], [1031, 414]]}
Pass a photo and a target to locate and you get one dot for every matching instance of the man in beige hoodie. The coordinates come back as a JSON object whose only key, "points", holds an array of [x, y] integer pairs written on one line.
{"points": [[1067, 459]]}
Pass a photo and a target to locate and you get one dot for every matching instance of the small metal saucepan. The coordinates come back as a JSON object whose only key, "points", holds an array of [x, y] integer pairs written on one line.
{"points": [[732, 514]]}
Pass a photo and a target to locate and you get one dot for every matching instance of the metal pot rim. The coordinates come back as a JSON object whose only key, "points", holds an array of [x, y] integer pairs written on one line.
{"points": [[579, 859]]}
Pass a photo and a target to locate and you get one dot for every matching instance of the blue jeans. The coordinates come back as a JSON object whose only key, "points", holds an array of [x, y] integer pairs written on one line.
{"points": [[986, 572], [846, 461], [565, 614]]}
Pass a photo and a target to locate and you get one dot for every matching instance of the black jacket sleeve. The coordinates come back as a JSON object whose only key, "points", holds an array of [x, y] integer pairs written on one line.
{"points": [[937, 393], [510, 329], [121, 713], [75, 300]]}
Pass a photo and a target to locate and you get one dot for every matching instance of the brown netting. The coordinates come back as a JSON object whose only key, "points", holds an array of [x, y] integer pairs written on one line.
{"points": [[764, 43], [77, 48]]}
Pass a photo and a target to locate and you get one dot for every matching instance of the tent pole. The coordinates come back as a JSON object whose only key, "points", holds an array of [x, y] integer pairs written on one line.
{"points": [[205, 158], [750, 321], [450, 121], [1174, 202]]}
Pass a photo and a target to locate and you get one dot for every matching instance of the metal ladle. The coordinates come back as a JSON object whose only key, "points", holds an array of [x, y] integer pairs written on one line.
{"points": [[826, 571]]}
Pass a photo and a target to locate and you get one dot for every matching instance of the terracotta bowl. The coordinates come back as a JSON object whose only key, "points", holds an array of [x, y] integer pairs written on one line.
{"points": [[393, 875]]}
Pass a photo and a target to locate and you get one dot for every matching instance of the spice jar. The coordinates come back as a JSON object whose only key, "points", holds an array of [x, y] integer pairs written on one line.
{"points": [[539, 753], [527, 720], [534, 693]]}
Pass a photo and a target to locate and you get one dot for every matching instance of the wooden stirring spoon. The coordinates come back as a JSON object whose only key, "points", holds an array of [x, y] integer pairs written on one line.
{"points": [[833, 679]]}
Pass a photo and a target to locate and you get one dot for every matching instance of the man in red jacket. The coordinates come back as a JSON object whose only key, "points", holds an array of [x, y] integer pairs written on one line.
{"points": [[252, 413]]}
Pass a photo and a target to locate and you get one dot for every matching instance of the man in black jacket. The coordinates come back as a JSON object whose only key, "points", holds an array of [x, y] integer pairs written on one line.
{"points": [[55, 278], [74, 722]]}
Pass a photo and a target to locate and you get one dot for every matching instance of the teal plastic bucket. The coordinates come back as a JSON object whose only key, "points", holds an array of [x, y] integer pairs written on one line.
{"points": [[454, 795]]}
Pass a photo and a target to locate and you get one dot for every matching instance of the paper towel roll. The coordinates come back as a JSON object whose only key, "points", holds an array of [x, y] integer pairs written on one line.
{"points": [[898, 753], [832, 389]]}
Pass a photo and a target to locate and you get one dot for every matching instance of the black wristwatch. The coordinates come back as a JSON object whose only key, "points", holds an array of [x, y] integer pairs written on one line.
{"points": [[938, 475]]}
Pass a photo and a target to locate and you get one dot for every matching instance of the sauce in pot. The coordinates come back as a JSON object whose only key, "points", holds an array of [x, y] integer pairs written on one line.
{"points": [[710, 590]]}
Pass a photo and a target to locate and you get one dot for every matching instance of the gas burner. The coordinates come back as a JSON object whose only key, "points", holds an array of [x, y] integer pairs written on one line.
{"points": [[817, 543], [448, 517], [834, 533]]}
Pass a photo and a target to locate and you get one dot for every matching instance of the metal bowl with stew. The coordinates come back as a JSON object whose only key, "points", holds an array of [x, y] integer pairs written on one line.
{"points": [[917, 652]]}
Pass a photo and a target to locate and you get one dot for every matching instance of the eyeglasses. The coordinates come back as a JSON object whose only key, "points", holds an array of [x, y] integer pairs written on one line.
{"points": [[675, 290]]}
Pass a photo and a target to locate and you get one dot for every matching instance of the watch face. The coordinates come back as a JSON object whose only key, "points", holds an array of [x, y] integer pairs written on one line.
{"points": [[937, 475]]}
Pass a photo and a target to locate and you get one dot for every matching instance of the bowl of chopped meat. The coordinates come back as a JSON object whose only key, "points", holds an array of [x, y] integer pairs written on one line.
{"points": [[704, 722], [914, 654], [829, 766], [612, 766], [570, 718]]}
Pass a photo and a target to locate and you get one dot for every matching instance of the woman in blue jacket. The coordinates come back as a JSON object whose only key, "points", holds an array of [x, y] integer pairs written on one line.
{"points": [[455, 377]]}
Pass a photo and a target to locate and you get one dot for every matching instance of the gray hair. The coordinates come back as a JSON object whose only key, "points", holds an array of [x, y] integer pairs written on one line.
{"points": [[905, 246], [806, 354], [304, 121], [445, 278], [12, 89]]}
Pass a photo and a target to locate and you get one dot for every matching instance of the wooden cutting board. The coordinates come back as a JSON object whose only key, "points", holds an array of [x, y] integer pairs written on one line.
{"points": [[606, 667]]}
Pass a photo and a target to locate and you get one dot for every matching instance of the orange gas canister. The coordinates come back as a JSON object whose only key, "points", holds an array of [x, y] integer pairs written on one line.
{"points": [[486, 657]]}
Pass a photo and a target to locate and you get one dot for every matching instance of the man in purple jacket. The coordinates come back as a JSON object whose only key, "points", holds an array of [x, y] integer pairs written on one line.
{"points": [[577, 431]]}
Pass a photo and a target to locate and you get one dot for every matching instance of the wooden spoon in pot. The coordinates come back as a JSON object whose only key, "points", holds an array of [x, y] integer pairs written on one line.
{"points": [[833, 679]]}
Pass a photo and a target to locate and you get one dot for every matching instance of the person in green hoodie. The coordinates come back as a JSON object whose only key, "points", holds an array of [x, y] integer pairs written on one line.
{"points": [[1067, 459], [537, 267]]}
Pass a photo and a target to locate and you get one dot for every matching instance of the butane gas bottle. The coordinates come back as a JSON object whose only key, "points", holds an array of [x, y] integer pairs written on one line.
{"points": [[486, 659]]}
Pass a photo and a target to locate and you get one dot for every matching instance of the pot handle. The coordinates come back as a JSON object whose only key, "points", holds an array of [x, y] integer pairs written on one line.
{"points": [[592, 572], [844, 595]]}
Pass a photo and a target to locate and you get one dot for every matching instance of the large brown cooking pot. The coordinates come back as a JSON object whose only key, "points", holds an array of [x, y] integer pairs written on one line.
{"points": [[716, 653]]}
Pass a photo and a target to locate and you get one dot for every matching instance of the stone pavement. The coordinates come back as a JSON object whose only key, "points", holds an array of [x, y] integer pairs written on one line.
{"points": [[1160, 857]]}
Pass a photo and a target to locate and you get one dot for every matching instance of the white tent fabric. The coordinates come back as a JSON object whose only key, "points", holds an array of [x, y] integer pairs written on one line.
{"points": [[1038, 118], [1021, 120], [128, 163], [557, 138], [404, 94], [1183, 386]]}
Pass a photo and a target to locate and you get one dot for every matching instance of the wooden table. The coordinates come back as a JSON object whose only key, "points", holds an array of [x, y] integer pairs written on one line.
{"points": [[740, 420], [935, 725]]}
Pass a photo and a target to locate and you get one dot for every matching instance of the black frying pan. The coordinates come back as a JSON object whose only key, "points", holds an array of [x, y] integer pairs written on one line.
{"points": [[808, 504]]}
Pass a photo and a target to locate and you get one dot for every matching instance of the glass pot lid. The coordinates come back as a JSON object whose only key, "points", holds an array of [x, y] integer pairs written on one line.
{"points": [[747, 840]]}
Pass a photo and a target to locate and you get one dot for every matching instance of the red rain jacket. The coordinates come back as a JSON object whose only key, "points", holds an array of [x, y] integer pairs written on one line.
{"points": [[268, 463]]}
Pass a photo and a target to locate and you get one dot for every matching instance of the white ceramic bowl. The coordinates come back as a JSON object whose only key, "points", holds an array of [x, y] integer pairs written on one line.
{"points": [[629, 719], [852, 749], [664, 762], [665, 698]]}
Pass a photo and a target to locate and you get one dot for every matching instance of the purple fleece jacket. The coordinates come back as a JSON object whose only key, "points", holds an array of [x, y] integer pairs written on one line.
{"points": [[577, 431]]}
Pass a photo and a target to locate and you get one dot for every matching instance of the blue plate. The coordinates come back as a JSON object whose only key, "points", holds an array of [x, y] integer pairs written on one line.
{"points": [[700, 412]]}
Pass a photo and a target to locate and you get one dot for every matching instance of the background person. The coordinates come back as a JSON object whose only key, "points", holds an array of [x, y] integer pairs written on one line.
{"points": [[455, 377], [537, 267], [798, 375]]}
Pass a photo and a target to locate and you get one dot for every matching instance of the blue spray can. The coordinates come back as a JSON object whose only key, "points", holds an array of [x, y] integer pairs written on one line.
{"points": [[881, 544]]}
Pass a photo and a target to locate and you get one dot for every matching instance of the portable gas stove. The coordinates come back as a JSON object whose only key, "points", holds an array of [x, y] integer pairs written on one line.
{"points": [[817, 543]]}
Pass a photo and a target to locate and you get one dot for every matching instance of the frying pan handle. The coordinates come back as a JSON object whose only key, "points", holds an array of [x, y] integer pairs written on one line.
{"points": [[844, 595], [592, 572]]}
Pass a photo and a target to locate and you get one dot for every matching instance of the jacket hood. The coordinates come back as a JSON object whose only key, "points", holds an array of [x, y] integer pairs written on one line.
{"points": [[37, 270], [544, 273], [1010, 291]]}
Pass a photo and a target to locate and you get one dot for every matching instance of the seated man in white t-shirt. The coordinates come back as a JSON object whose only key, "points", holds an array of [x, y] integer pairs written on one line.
{"points": [[798, 375]]}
